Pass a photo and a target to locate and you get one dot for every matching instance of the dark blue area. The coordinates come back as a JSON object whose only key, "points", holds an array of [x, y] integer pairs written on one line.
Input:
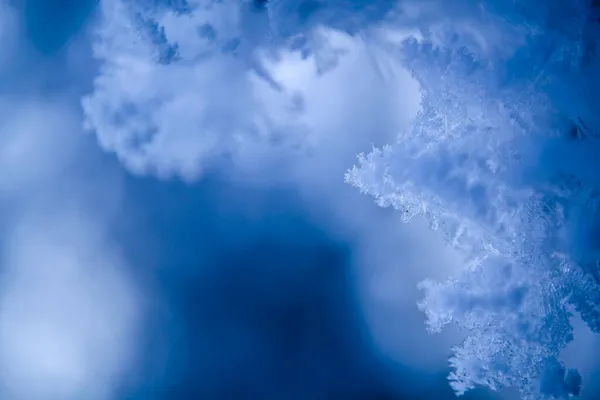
{"points": [[291, 17], [44, 66], [254, 302], [252, 299], [50, 24]]}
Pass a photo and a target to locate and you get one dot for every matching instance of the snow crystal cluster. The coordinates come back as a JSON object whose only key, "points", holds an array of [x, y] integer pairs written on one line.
{"points": [[498, 159], [183, 84]]}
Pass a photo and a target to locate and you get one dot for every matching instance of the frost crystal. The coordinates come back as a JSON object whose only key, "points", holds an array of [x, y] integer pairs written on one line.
{"points": [[497, 162]]}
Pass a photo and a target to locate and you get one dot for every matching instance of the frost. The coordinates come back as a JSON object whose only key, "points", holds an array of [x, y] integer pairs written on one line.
{"points": [[180, 88], [490, 162], [183, 87]]}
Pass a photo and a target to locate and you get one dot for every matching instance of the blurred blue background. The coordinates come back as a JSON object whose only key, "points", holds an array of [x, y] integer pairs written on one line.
{"points": [[252, 292]]}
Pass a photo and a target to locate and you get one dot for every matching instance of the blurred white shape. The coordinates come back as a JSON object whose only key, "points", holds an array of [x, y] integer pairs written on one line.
{"points": [[36, 144], [178, 92], [67, 311]]}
